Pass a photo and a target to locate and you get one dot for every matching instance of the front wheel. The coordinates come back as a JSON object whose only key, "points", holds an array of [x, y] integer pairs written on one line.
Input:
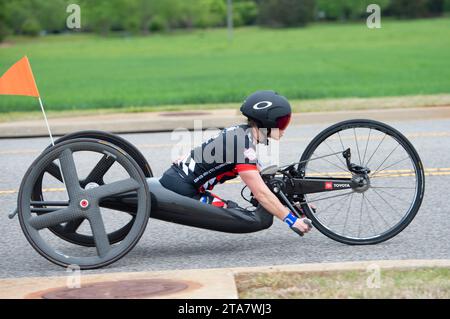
{"points": [[393, 191]]}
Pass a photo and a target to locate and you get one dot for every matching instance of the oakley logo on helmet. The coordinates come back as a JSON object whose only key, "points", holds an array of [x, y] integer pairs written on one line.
{"points": [[262, 105]]}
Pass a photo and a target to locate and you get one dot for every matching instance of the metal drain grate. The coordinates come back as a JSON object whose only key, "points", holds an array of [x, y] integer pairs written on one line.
{"points": [[118, 290]]}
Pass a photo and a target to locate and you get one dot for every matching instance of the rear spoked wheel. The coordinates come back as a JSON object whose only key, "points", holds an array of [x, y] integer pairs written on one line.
{"points": [[77, 205], [390, 193]]}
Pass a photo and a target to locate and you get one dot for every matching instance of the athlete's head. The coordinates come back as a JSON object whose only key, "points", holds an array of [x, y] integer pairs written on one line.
{"points": [[268, 111]]}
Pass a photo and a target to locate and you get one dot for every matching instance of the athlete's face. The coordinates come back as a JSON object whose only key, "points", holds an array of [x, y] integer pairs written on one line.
{"points": [[276, 134]]}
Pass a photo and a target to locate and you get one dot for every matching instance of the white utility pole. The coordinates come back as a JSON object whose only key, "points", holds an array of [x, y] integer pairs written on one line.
{"points": [[230, 19]]}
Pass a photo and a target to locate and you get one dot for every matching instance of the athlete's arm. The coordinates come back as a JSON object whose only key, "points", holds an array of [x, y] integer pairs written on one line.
{"points": [[266, 198]]}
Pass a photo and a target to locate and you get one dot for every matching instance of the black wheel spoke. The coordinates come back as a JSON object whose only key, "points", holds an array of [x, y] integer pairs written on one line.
{"points": [[319, 172], [367, 144], [69, 172], [376, 170], [99, 171], [360, 216], [339, 210], [379, 214], [99, 232], [116, 188], [72, 226], [348, 211], [342, 144], [331, 205], [54, 218], [324, 198], [370, 218], [54, 170], [337, 166], [394, 197], [387, 203], [376, 149], [332, 151], [357, 146], [385, 168]]}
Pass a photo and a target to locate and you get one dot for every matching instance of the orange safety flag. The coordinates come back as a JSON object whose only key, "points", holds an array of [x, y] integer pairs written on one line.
{"points": [[19, 80]]}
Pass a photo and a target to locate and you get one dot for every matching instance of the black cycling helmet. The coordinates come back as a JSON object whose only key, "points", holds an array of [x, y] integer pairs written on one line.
{"points": [[268, 109]]}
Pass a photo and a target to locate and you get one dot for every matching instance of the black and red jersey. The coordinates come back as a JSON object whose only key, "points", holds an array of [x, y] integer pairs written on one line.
{"points": [[220, 158]]}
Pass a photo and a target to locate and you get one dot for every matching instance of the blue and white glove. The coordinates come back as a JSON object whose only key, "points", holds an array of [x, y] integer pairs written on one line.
{"points": [[290, 219]]}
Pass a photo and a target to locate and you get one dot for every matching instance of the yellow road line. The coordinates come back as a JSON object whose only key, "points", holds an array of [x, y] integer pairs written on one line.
{"points": [[444, 171], [8, 192]]}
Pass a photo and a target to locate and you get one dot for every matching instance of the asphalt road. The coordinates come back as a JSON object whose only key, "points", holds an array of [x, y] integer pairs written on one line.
{"points": [[168, 246]]}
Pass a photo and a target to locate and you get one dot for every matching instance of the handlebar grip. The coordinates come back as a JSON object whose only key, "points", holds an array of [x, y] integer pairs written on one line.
{"points": [[300, 233], [308, 222]]}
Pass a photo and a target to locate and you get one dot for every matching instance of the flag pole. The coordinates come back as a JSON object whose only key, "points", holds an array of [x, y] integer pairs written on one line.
{"points": [[51, 136], [46, 121]]}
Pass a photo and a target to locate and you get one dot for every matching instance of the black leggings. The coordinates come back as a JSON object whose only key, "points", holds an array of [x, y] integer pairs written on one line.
{"points": [[234, 219], [173, 181]]}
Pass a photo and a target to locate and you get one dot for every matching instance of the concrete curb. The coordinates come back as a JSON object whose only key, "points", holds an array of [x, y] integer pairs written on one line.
{"points": [[205, 283], [168, 121]]}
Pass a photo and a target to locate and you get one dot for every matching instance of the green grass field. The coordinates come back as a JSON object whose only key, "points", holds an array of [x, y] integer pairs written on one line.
{"points": [[420, 283], [81, 71]]}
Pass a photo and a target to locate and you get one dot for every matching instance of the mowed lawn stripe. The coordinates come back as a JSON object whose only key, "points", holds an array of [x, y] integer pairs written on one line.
{"points": [[321, 61]]}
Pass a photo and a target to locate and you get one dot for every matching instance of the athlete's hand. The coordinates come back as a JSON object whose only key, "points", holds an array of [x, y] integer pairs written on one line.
{"points": [[303, 225]]}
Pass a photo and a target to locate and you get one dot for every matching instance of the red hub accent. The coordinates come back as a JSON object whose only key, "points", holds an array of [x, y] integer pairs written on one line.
{"points": [[84, 203]]}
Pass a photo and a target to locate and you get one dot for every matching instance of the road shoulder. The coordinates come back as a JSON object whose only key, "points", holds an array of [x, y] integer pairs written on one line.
{"points": [[201, 283], [167, 122]]}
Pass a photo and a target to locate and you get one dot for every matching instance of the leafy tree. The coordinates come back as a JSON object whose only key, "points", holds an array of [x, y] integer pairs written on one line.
{"points": [[199, 13], [286, 13], [3, 27], [436, 7], [410, 9], [16, 13], [33, 16], [101, 15], [245, 12], [347, 9], [50, 15], [210, 13]]}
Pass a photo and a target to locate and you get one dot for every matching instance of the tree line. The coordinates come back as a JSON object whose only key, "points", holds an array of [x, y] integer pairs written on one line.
{"points": [[34, 17]]}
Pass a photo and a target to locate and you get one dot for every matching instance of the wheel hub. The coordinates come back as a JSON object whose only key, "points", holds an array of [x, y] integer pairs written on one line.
{"points": [[91, 185], [84, 203], [362, 182]]}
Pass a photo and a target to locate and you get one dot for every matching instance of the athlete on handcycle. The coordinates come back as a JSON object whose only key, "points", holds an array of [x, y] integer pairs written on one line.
{"points": [[233, 153]]}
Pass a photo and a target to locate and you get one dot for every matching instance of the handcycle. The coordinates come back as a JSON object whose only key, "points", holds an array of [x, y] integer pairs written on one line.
{"points": [[360, 182]]}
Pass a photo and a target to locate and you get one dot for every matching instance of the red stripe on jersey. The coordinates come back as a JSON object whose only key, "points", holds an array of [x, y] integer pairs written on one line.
{"points": [[246, 167], [231, 174]]}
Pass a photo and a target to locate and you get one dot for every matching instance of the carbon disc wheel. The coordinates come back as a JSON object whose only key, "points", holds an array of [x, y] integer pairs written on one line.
{"points": [[96, 176], [390, 194], [82, 204]]}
